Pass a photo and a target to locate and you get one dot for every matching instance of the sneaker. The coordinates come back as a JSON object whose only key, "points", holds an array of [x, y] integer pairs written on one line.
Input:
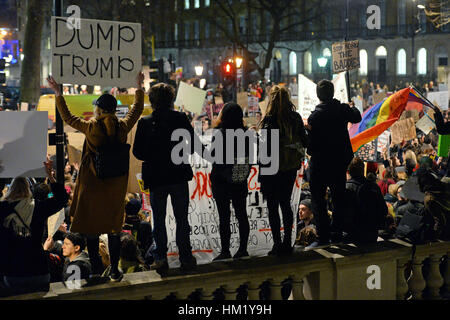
{"points": [[187, 266], [240, 254], [223, 256], [116, 276], [160, 265]]}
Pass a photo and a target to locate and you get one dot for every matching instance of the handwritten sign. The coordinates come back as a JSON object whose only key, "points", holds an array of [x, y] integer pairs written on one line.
{"points": [[403, 130], [106, 53], [439, 98], [425, 124], [368, 152], [345, 56]]}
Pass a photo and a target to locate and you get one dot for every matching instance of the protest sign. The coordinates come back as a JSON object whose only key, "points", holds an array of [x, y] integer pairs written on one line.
{"points": [[340, 88], [190, 97], [54, 222], [204, 219], [403, 130], [253, 105], [443, 145], [23, 143], [24, 106], [383, 141], [135, 165], [106, 53], [359, 104], [146, 202], [439, 99], [307, 97], [345, 56], [121, 111], [378, 97], [410, 114], [74, 154], [425, 124], [242, 99], [368, 152]]}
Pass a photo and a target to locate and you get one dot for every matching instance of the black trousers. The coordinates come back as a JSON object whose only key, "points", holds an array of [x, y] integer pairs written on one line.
{"points": [[323, 176], [94, 256], [277, 190], [224, 194]]}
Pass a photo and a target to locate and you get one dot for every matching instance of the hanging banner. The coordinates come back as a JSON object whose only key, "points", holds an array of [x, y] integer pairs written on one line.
{"points": [[98, 52]]}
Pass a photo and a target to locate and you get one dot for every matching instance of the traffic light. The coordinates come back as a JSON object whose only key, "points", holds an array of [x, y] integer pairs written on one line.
{"points": [[157, 71], [228, 71], [2, 74]]}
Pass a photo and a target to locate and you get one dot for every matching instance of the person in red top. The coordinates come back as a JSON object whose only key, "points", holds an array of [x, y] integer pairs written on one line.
{"points": [[389, 176]]}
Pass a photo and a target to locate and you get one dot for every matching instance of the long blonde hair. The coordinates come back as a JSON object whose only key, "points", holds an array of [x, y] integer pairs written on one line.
{"points": [[19, 189], [280, 107]]}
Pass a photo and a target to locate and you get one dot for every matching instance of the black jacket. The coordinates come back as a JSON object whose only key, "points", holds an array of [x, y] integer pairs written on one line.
{"points": [[329, 138], [82, 262], [29, 259], [153, 145], [442, 127]]}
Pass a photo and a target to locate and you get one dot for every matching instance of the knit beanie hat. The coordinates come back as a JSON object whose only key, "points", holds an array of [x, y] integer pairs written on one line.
{"points": [[107, 102]]}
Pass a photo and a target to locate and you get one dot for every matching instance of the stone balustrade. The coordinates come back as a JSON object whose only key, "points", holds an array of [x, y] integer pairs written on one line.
{"points": [[388, 270]]}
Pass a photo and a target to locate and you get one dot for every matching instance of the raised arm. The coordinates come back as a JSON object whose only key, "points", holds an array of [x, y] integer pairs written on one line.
{"points": [[73, 121], [138, 107]]}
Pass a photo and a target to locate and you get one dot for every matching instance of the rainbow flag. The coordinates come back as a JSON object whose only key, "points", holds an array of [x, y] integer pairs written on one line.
{"points": [[379, 118]]}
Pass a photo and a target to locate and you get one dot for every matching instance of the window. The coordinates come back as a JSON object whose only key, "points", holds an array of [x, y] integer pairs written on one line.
{"points": [[207, 30], [422, 61], [292, 63], [401, 62], [197, 4], [255, 24], [186, 4], [401, 16], [326, 52], [175, 32], [186, 31], [196, 30], [242, 23], [362, 62], [381, 52], [307, 66], [206, 3], [443, 61]]}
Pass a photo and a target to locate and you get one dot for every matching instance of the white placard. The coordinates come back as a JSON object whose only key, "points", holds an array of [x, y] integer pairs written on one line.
{"points": [[359, 103], [425, 124], [383, 141], [340, 88], [105, 53], [54, 222], [190, 97], [23, 143], [121, 111], [440, 98]]}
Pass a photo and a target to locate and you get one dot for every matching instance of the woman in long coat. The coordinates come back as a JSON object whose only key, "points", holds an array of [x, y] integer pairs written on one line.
{"points": [[98, 205]]}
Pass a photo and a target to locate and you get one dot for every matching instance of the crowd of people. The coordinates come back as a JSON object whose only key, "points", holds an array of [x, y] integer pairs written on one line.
{"points": [[344, 199]]}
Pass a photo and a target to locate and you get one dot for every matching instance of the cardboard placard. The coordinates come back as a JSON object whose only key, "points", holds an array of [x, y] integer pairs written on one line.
{"points": [[242, 100], [425, 124], [190, 97], [345, 56], [403, 130], [96, 52], [74, 154]]}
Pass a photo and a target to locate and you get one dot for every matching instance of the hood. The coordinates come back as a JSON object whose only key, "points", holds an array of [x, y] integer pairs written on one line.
{"points": [[24, 209], [83, 256], [110, 121], [330, 103]]}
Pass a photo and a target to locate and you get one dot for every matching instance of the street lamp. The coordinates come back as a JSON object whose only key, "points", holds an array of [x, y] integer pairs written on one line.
{"points": [[199, 70], [238, 62], [322, 62]]}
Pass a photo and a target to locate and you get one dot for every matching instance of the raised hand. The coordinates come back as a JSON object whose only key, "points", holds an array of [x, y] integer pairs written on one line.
{"points": [[54, 85], [140, 80]]}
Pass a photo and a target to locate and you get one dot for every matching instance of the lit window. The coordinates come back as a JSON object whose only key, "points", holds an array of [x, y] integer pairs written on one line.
{"points": [[206, 3], [401, 62], [422, 61], [292, 63], [307, 62], [326, 52], [363, 62], [381, 52], [186, 4], [197, 4]]}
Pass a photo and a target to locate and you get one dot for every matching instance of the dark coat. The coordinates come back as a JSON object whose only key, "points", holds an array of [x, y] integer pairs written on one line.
{"points": [[82, 262], [98, 205], [24, 259], [442, 127], [153, 145], [329, 138]]}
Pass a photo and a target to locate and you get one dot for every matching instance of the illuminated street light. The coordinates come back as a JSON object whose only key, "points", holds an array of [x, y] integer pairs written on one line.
{"points": [[322, 62], [199, 70], [420, 6], [238, 62]]}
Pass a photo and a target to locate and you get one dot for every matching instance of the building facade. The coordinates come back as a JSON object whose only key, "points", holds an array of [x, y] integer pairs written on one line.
{"points": [[387, 55]]}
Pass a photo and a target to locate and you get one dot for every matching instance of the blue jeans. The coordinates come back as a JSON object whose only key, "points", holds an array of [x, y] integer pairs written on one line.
{"points": [[179, 195], [21, 285]]}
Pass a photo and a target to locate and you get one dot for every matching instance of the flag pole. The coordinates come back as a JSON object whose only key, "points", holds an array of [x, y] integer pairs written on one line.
{"points": [[422, 96]]}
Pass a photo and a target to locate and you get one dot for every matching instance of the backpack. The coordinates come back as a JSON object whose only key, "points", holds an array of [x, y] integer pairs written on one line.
{"points": [[112, 159], [14, 230]]}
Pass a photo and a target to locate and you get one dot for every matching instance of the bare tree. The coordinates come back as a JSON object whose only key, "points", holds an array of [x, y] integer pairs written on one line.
{"points": [[438, 12], [285, 17], [30, 73]]}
